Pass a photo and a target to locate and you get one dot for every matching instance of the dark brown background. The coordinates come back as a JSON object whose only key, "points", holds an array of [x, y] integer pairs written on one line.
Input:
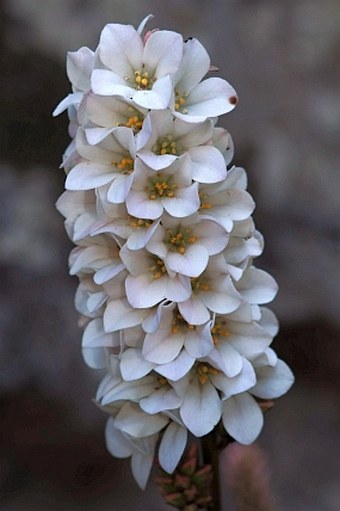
{"points": [[283, 59]]}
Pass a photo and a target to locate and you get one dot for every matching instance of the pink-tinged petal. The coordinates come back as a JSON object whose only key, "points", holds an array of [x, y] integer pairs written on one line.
{"points": [[139, 205], [143, 291], [172, 446], [257, 286], [185, 203], [194, 311], [212, 97], [225, 358], [208, 165], [88, 175], [194, 66], [133, 421], [178, 368], [192, 263], [121, 49], [119, 314], [133, 365], [120, 188], [157, 98], [116, 443], [161, 347], [163, 52], [201, 408], [79, 65], [242, 418], [273, 382], [163, 399]]}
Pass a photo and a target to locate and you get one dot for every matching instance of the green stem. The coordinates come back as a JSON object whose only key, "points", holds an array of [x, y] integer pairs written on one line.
{"points": [[211, 457]]}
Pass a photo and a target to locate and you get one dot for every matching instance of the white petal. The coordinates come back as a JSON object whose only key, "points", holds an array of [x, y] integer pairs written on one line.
{"points": [[121, 49], [132, 420], [119, 314], [141, 465], [192, 263], [163, 52], [194, 311], [161, 400], [79, 65], [212, 97], [157, 98], [257, 286], [177, 368], [201, 409], [87, 175], [116, 443], [208, 165], [143, 292], [273, 382], [133, 365], [162, 347], [242, 418], [172, 447]]}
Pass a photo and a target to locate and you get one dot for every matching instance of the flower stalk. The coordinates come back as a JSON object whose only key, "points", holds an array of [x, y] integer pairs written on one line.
{"points": [[169, 297]]}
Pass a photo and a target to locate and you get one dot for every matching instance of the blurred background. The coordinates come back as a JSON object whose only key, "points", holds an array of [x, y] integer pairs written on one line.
{"points": [[283, 59]]}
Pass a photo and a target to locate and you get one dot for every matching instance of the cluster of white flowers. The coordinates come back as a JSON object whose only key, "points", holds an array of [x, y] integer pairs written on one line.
{"points": [[169, 298]]}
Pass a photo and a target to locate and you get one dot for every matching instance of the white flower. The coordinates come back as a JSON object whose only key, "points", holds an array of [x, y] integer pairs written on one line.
{"points": [[79, 65], [174, 333], [226, 202], [186, 244], [193, 100], [150, 281], [110, 161], [213, 290], [170, 189], [122, 445], [109, 112], [164, 140], [134, 70]]}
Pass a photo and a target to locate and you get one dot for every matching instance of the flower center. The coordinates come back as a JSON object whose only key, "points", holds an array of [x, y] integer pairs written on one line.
{"points": [[219, 330], [125, 165], [142, 81], [160, 186], [179, 325], [166, 145], [204, 203], [139, 223], [135, 119], [179, 239], [204, 370], [158, 269], [199, 284], [180, 101]]}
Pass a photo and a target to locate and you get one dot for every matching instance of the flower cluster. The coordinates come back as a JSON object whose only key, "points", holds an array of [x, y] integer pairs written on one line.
{"points": [[169, 298]]}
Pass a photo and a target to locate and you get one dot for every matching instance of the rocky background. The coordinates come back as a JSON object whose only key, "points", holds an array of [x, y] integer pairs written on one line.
{"points": [[283, 59]]}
